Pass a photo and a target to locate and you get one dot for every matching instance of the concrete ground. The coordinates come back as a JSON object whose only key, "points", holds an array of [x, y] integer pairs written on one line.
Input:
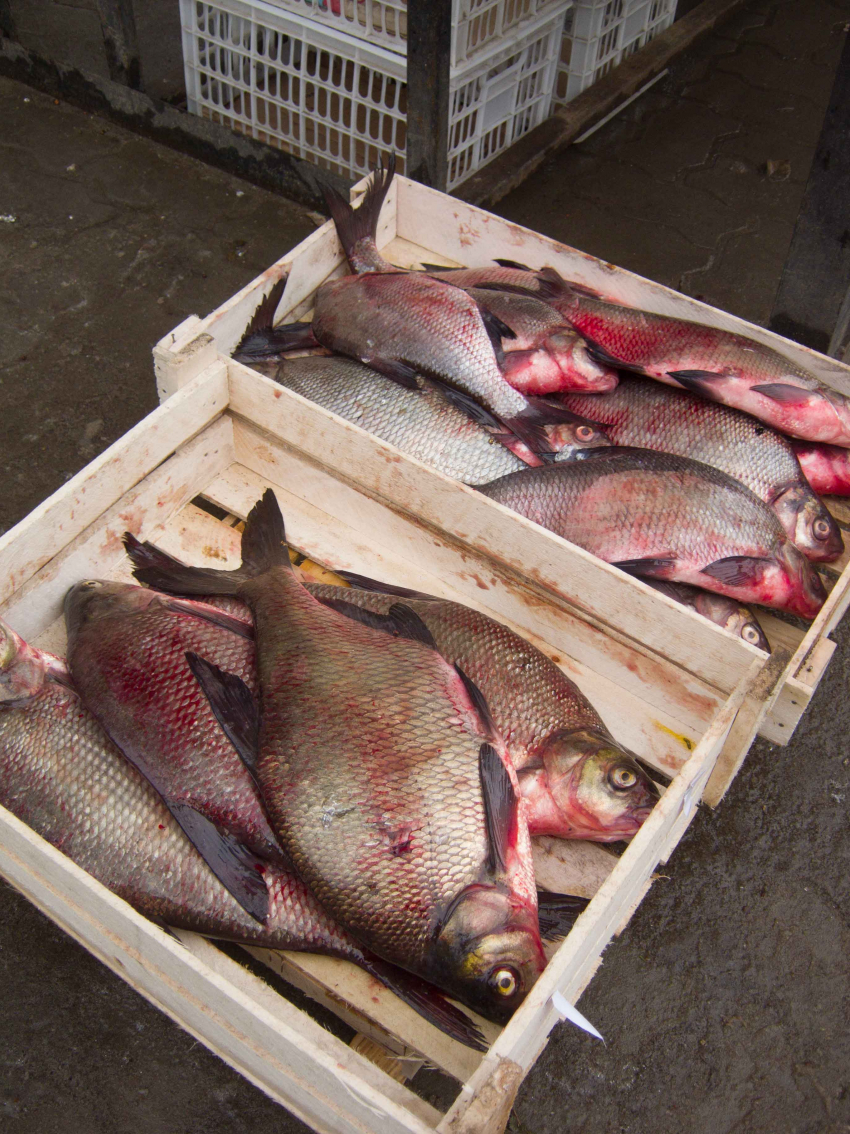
{"points": [[725, 1002]]}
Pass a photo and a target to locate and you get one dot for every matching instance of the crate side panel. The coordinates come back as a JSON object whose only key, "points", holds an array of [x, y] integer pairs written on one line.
{"points": [[63, 516], [596, 590], [283, 1051], [99, 550]]}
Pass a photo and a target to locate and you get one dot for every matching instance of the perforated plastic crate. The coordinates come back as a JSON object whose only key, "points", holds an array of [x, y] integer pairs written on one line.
{"points": [[599, 34], [340, 102], [476, 24]]}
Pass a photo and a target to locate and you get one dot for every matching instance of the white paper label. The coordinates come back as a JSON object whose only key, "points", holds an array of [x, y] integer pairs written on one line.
{"points": [[569, 1012]]}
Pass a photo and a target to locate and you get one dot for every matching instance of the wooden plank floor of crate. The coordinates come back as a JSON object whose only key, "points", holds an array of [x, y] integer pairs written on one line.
{"points": [[225, 436]]}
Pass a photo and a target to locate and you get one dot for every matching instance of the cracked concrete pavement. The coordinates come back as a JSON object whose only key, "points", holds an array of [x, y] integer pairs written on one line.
{"points": [[725, 1002]]}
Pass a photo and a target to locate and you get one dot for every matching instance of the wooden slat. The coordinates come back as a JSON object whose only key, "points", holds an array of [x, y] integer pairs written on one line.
{"points": [[566, 574], [98, 550], [277, 1047], [65, 514]]}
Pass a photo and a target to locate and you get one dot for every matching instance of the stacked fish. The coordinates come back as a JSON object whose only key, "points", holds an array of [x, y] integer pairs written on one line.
{"points": [[351, 770], [708, 449]]}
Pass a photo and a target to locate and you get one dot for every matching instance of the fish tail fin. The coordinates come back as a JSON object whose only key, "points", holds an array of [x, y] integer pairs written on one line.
{"points": [[263, 547], [267, 343], [428, 1001], [354, 225]]}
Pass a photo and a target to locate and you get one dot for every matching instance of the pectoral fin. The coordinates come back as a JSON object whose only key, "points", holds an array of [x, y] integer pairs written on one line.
{"points": [[789, 395], [644, 566], [237, 868], [394, 369], [737, 570], [557, 913], [234, 706], [500, 807]]}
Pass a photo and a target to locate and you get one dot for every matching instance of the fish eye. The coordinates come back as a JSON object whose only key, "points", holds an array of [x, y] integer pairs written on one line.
{"points": [[622, 778], [750, 634], [585, 433], [504, 981], [821, 529]]}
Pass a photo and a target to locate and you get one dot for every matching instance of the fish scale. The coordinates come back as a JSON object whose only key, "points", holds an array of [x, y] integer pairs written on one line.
{"points": [[671, 517], [645, 413]]}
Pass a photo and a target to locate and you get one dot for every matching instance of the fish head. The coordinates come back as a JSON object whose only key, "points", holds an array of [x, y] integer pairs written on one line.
{"points": [[806, 592], [595, 376], [585, 786], [23, 669], [808, 524], [488, 951], [732, 616], [573, 434], [94, 599]]}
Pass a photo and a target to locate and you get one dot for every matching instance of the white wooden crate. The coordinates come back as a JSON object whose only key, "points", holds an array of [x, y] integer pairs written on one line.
{"points": [[357, 503], [420, 224], [686, 696]]}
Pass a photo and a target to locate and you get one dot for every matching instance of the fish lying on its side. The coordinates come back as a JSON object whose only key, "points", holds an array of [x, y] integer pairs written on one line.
{"points": [[543, 356], [576, 780], [646, 414], [61, 774], [719, 365], [670, 518], [383, 776], [825, 467], [732, 616], [127, 651], [422, 423]]}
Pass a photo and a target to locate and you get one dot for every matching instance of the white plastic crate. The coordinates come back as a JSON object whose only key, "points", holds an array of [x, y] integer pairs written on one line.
{"points": [[341, 102], [599, 34], [476, 24]]}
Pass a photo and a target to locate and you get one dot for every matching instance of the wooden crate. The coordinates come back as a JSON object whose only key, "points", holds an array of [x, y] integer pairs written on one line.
{"points": [[686, 696], [420, 224], [353, 502]]}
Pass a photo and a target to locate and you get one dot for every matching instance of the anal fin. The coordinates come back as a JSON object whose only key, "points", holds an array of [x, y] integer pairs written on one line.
{"points": [[649, 566]]}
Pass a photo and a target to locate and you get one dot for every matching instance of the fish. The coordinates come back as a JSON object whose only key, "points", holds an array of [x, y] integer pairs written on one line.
{"points": [[732, 616], [127, 651], [555, 431], [668, 517], [825, 467], [719, 365], [383, 776], [577, 782], [547, 356], [62, 775], [422, 423], [648, 415], [543, 356], [403, 324]]}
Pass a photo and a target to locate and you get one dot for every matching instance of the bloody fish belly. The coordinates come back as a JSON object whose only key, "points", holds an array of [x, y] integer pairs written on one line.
{"points": [[825, 467], [671, 518]]}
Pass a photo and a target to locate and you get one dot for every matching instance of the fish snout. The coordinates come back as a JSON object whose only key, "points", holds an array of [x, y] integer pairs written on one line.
{"points": [[808, 524]]}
